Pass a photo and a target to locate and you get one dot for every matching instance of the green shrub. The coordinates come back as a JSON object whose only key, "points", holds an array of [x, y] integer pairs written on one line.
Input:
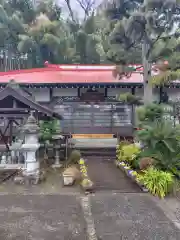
{"points": [[150, 112], [158, 182], [129, 98], [119, 152], [160, 135], [129, 152], [168, 161], [75, 156], [135, 163]]}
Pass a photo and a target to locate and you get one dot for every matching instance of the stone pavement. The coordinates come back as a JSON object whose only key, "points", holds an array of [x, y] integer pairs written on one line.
{"points": [[106, 176], [105, 216]]}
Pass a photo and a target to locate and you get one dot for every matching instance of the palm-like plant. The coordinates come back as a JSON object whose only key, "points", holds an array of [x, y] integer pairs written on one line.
{"points": [[150, 113], [168, 161], [160, 135]]}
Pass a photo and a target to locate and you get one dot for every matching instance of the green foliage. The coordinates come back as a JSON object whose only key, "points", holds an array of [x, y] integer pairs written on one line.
{"points": [[144, 21], [119, 153], [168, 161], [164, 78], [48, 129], [74, 157], [129, 98], [149, 113], [167, 51], [161, 141], [135, 162], [43, 33], [158, 182], [159, 135], [128, 153]]}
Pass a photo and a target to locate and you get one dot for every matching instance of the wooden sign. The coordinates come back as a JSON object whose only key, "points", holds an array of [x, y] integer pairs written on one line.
{"points": [[89, 136]]}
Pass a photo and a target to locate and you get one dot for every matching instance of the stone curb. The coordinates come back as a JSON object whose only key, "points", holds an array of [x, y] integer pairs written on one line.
{"points": [[129, 174]]}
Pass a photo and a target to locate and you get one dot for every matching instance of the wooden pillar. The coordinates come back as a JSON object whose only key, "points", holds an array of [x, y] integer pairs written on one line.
{"points": [[79, 92], [160, 94], [133, 90], [10, 131], [51, 94], [106, 92]]}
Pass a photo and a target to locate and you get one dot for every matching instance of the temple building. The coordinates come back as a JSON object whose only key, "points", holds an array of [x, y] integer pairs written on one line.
{"points": [[85, 96]]}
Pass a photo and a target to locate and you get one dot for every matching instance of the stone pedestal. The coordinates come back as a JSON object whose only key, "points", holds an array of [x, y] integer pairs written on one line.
{"points": [[57, 145]]}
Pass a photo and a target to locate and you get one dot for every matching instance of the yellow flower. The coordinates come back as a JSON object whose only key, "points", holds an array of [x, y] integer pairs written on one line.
{"points": [[81, 161], [134, 173]]}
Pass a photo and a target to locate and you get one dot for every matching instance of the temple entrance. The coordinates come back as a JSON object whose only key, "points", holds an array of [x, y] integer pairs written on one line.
{"points": [[93, 119]]}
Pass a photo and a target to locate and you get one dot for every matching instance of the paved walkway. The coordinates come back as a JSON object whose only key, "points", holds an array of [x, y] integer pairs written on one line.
{"points": [[103, 216], [106, 176]]}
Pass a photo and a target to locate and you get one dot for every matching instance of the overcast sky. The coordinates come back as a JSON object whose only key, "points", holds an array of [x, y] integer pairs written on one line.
{"points": [[75, 6]]}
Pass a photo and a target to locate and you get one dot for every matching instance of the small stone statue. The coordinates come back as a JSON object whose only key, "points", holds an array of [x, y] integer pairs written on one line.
{"points": [[3, 160]]}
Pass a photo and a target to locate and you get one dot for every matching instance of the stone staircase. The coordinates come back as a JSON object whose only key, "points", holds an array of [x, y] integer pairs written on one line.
{"points": [[96, 147]]}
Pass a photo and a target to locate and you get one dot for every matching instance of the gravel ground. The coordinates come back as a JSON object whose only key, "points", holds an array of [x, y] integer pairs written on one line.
{"points": [[102, 216]]}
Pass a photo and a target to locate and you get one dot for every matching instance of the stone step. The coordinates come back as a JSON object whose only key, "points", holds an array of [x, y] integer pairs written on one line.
{"points": [[94, 143]]}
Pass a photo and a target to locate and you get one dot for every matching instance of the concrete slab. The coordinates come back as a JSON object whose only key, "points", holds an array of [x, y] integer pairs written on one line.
{"points": [[102, 216], [41, 218], [130, 217]]}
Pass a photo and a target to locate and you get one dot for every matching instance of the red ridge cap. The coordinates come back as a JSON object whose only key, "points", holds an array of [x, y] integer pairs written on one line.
{"points": [[26, 71]]}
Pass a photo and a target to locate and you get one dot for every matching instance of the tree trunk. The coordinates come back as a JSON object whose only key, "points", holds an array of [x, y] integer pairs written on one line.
{"points": [[148, 90]]}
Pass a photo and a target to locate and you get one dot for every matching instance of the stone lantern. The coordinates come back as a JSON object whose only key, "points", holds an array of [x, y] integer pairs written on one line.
{"points": [[30, 147]]}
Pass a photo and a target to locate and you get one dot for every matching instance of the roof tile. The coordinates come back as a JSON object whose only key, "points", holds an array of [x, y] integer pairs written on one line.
{"points": [[55, 75]]}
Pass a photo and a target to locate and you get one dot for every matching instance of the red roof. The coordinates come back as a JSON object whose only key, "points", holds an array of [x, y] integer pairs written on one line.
{"points": [[67, 74]]}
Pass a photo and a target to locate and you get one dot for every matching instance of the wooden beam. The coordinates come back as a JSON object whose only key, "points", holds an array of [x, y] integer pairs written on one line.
{"points": [[13, 116], [15, 109]]}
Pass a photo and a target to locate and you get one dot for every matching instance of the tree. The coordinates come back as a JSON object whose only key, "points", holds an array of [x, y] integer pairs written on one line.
{"points": [[168, 64], [50, 9], [24, 7], [145, 23], [46, 40]]}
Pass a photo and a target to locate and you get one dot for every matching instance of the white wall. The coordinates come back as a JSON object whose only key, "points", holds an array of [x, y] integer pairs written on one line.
{"points": [[64, 92], [41, 94], [138, 91], [116, 91]]}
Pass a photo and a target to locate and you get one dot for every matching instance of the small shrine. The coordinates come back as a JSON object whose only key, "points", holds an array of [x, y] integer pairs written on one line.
{"points": [[15, 106]]}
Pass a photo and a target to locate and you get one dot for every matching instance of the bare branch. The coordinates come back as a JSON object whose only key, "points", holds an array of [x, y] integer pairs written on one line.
{"points": [[70, 10], [88, 6]]}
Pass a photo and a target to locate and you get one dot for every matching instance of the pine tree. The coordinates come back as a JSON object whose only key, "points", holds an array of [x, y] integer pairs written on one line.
{"points": [[143, 23]]}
